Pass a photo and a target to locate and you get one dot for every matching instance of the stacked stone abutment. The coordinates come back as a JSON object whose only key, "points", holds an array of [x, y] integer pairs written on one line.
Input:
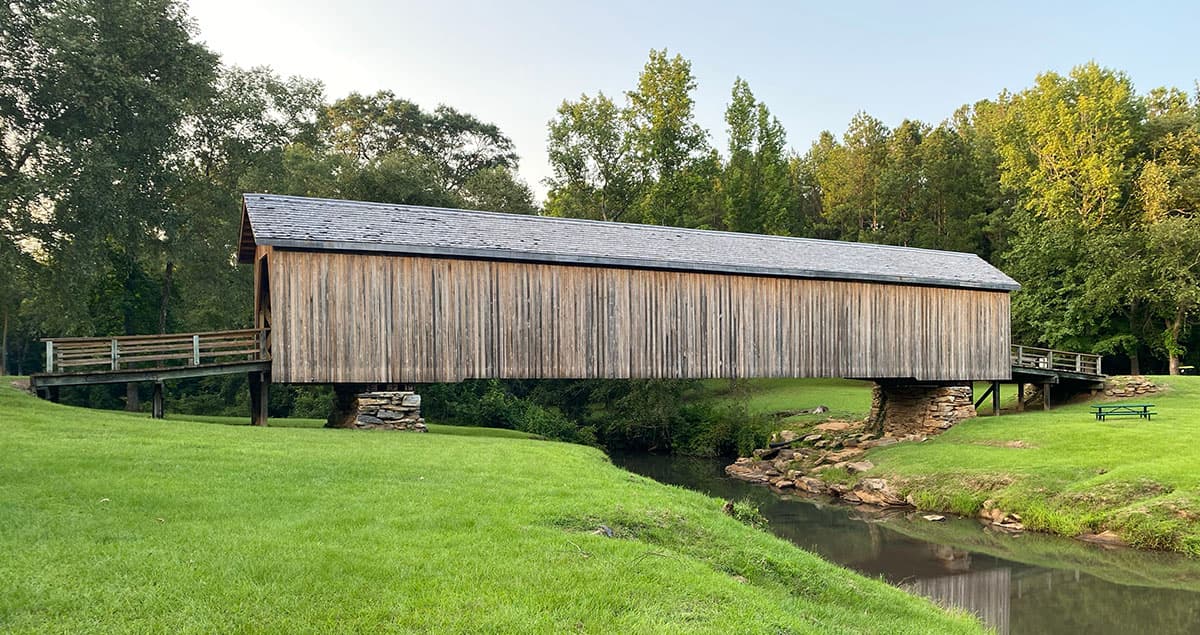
{"points": [[908, 410], [380, 410]]}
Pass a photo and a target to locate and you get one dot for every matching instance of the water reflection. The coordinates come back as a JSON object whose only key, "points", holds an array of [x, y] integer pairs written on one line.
{"points": [[1016, 583]]}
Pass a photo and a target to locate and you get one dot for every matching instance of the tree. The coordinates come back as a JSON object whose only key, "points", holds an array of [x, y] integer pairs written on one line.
{"points": [[590, 152], [1168, 192], [456, 144], [91, 100], [1067, 149], [849, 174], [755, 181], [668, 145], [233, 142]]}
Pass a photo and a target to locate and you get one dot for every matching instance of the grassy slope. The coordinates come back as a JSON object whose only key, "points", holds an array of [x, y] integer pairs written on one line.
{"points": [[111, 522], [1139, 479]]}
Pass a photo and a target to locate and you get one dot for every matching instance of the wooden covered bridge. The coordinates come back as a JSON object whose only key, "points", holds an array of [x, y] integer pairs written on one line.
{"points": [[355, 294]]}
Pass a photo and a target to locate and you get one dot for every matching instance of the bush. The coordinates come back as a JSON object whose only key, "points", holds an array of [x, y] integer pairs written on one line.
{"points": [[747, 513]]}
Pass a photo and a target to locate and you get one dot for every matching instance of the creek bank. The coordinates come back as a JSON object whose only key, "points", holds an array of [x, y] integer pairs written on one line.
{"points": [[832, 459]]}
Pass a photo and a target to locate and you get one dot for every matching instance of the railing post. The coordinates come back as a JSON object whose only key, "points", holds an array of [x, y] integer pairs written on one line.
{"points": [[1098, 366], [116, 365], [49, 356], [195, 350], [1079, 363], [1050, 359]]}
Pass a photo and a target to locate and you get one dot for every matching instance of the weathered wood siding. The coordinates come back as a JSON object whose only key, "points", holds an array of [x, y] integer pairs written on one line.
{"points": [[341, 317]]}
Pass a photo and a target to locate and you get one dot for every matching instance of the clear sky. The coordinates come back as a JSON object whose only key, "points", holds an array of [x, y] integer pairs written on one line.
{"points": [[814, 64]]}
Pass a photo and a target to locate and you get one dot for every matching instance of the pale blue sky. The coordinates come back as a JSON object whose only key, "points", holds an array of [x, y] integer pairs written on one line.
{"points": [[814, 64]]}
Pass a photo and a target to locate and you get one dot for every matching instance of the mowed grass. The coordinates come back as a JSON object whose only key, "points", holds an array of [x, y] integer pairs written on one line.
{"points": [[1064, 472], [845, 398], [119, 523]]}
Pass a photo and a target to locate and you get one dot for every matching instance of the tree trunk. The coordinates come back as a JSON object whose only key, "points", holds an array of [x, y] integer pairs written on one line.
{"points": [[133, 401], [4, 346], [1174, 327], [165, 301], [1135, 364]]}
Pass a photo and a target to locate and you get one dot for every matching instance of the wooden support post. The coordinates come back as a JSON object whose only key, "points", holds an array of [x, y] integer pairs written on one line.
{"points": [[996, 398], [157, 410], [259, 392], [116, 364], [1046, 396], [49, 356], [195, 350], [1020, 396]]}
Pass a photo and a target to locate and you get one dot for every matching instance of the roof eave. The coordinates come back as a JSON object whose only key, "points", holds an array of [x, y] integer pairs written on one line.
{"points": [[629, 263]]}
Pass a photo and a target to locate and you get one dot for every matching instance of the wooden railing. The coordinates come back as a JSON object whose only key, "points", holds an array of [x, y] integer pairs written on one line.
{"points": [[90, 354], [1050, 359]]}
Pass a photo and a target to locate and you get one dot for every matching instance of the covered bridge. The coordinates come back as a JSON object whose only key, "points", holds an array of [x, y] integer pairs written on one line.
{"points": [[371, 293]]}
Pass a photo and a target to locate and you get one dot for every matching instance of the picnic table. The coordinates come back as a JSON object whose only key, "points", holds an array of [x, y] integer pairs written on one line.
{"points": [[1123, 410]]}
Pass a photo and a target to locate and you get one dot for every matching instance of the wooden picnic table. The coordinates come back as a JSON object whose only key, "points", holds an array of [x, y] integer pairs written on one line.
{"points": [[1141, 410]]}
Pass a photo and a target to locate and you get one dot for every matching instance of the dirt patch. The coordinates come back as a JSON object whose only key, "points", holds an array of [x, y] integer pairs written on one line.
{"points": [[22, 385], [1017, 444]]}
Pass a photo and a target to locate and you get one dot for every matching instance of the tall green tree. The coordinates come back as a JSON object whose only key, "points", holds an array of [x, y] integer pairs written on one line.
{"points": [[590, 149], [1068, 151], [91, 98], [850, 174], [670, 149], [756, 179]]}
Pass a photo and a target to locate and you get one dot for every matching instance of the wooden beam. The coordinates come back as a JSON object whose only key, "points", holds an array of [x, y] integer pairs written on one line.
{"points": [[1046, 396], [260, 383], [157, 410], [984, 396], [995, 398], [1020, 396], [147, 374]]}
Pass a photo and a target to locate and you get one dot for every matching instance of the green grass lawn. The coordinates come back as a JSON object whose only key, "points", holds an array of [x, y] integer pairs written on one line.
{"points": [[1071, 474], [464, 431], [119, 523], [845, 398]]}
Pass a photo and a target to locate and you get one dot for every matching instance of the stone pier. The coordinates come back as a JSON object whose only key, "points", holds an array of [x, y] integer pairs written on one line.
{"points": [[378, 410], [905, 410]]}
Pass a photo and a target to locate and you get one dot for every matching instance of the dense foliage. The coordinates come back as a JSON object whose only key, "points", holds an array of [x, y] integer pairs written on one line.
{"points": [[126, 145]]}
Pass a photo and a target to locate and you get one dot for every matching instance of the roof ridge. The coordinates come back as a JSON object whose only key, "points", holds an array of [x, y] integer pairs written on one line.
{"points": [[635, 226], [299, 222]]}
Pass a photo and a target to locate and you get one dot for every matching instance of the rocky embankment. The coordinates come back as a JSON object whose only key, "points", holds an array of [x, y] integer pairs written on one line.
{"points": [[795, 460], [828, 461]]}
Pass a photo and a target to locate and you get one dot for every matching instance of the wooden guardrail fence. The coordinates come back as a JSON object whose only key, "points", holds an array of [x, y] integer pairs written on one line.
{"points": [[1050, 359], [89, 354]]}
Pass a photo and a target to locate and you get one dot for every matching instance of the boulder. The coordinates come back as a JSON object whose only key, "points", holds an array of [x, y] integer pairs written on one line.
{"points": [[811, 485], [786, 436], [859, 466], [877, 491]]}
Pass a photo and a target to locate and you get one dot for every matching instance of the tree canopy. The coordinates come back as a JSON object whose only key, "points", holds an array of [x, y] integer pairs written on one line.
{"points": [[126, 145]]}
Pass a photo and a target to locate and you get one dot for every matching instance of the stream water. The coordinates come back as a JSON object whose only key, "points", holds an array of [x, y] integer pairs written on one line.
{"points": [[1016, 583]]}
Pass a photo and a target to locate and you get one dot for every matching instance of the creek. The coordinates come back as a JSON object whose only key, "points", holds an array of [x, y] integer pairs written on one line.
{"points": [[1015, 582]]}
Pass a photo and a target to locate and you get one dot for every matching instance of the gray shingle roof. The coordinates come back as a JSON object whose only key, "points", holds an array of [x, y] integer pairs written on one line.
{"points": [[311, 223]]}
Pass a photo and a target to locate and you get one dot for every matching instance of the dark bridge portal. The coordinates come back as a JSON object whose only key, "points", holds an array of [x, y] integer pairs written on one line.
{"points": [[367, 293]]}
